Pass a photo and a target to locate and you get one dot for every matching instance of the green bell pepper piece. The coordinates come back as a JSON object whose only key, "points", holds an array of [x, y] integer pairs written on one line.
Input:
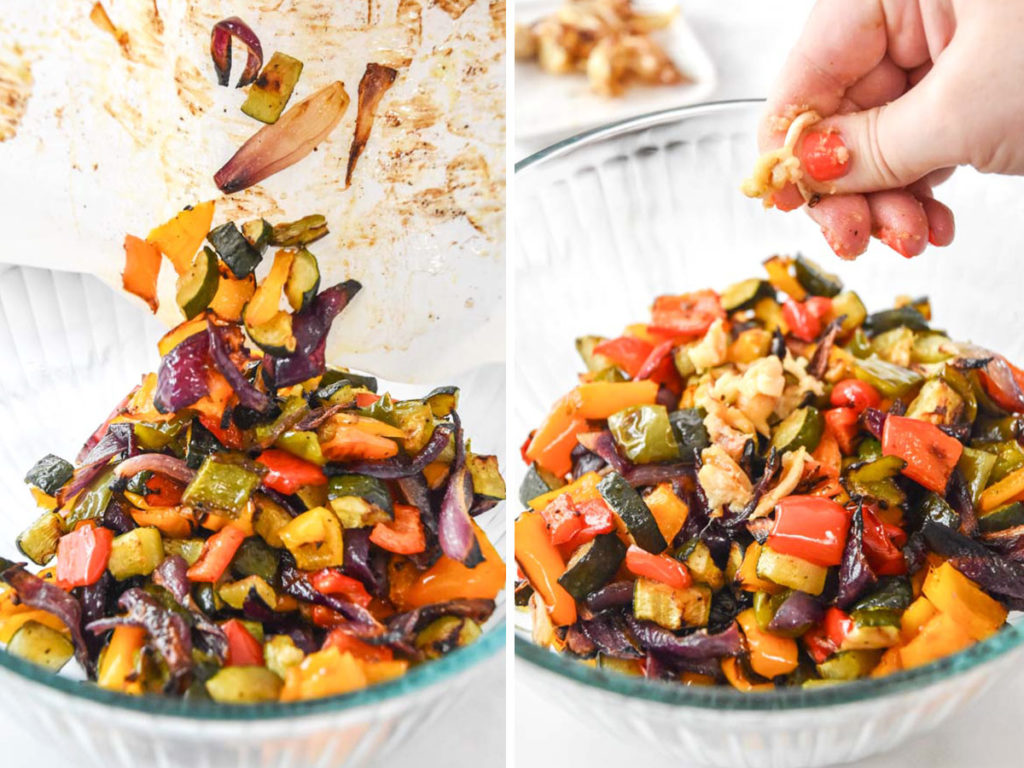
{"points": [[157, 436], [889, 379], [93, 501], [976, 466], [303, 444], [644, 433], [221, 486]]}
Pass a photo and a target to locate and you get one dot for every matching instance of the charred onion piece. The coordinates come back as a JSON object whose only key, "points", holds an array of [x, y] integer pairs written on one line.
{"points": [[376, 81], [220, 50], [275, 147]]}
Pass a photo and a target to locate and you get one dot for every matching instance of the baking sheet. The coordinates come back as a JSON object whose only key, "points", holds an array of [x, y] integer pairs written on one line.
{"points": [[105, 138]]}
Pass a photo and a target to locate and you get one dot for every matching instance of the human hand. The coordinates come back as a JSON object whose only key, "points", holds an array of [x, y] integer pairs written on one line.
{"points": [[911, 88]]}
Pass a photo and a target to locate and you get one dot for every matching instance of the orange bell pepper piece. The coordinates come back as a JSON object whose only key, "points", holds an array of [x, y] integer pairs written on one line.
{"points": [[554, 440], [119, 666], [348, 643], [670, 512], [600, 399], [232, 295], [1010, 488], [954, 594], [747, 577], [180, 238], [404, 535], [449, 579], [542, 564], [175, 522], [325, 673], [734, 674], [580, 490], [141, 269], [770, 655], [918, 614], [940, 637], [349, 443], [178, 334]]}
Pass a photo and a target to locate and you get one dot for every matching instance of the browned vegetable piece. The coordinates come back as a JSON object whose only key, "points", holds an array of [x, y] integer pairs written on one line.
{"points": [[376, 81], [270, 93]]}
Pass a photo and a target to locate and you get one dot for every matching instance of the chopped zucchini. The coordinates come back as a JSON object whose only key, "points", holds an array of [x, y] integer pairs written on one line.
{"points": [[255, 558], [244, 685], [275, 337], [876, 480], [306, 230], [445, 634], [38, 542], [932, 347], [889, 379], [816, 280], [872, 629], [280, 654], [690, 432], [937, 509], [50, 473], [593, 565], [363, 486], [136, 553], [357, 512], [41, 645], [235, 593], [849, 665], [487, 479], [234, 249], [801, 429], [887, 319], [198, 286], [189, 549], [849, 306], [537, 482], [938, 403], [1007, 516], [671, 608], [893, 593], [303, 280], [257, 233], [745, 294], [790, 571], [416, 419], [701, 565], [630, 507], [270, 93], [442, 401]]}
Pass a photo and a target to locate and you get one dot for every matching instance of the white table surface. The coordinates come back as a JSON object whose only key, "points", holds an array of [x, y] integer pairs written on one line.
{"points": [[748, 40]]}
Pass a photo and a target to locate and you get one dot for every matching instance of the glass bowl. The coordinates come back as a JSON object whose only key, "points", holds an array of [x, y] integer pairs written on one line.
{"points": [[71, 348], [604, 222]]}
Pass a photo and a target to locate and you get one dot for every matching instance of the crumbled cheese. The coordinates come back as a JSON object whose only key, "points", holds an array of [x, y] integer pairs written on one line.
{"points": [[792, 470], [723, 481], [712, 349]]}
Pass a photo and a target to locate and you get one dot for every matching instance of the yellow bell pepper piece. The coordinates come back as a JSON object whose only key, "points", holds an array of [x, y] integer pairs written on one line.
{"points": [[580, 490], [1010, 488], [770, 655], [324, 673], [315, 539], [180, 238], [940, 637], [600, 399], [918, 614], [964, 601], [14, 621], [382, 671], [121, 661], [670, 512], [889, 663]]}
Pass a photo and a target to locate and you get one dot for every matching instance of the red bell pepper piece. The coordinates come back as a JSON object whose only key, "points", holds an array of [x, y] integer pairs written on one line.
{"points": [[810, 527], [82, 556], [163, 492], [802, 322], [819, 646], [882, 543], [404, 535], [661, 568], [930, 453], [287, 472], [217, 553], [230, 436], [627, 352], [1004, 383], [244, 650], [690, 314], [819, 306], [844, 425], [347, 643], [330, 581], [562, 519], [366, 399], [597, 518], [838, 625], [855, 394], [660, 367]]}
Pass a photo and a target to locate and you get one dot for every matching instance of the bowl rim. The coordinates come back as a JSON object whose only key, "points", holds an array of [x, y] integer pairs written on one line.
{"points": [[418, 678], [722, 697]]}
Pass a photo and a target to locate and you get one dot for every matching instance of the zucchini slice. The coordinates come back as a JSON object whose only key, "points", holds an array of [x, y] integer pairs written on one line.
{"points": [[816, 280], [38, 542], [1007, 516], [887, 319], [790, 571], [337, 376], [50, 473], [630, 507], [849, 665], [537, 482], [671, 608], [443, 400], [691, 434], [234, 249], [257, 233], [594, 362], [244, 685], [303, 280], [801, 429], [274, 337], [746, 293], [198, 286], [272, 89], [41, 645], [593, 565], [487, 479], [365, 487], [849, 304], [306, 230], [136, 553]]}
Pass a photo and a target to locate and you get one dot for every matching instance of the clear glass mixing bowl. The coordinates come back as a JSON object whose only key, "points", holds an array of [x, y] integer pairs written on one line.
{"points": [[605, 221], [71, 348]]}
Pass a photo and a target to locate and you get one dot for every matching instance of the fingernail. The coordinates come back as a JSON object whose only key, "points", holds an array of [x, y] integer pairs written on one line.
{"points": [[932, 239], [824, 155], [898, 244], [779, 203]]}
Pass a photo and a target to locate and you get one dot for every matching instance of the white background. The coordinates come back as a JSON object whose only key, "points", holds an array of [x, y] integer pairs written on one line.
{"points": [[748, 40]]}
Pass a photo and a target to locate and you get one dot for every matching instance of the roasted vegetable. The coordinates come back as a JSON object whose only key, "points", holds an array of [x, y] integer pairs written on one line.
{"points": [[270, 93]]}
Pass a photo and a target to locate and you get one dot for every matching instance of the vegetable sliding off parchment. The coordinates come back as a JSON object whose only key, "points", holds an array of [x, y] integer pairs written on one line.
{"points": [[253, 525], [770, 487]]}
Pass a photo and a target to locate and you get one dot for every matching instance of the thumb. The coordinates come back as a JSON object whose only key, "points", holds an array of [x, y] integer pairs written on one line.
{"points": [[882, 148]]}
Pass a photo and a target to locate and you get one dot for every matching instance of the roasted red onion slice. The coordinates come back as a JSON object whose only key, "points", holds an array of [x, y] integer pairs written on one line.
{"points": [[181, 377], [170, 466], [454, 525], [220, 50], [376, 81], [226, 345]]}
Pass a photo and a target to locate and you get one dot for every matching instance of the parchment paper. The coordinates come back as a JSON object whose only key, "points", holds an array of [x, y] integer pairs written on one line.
{"points": [[100, 138]]}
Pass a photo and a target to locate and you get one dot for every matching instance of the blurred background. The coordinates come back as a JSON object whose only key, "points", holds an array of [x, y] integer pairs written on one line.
{"points": [[722, 50]]}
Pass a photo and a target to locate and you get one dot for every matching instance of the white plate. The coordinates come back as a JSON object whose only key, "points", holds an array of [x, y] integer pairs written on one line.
{"points": [[554, 106]]}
